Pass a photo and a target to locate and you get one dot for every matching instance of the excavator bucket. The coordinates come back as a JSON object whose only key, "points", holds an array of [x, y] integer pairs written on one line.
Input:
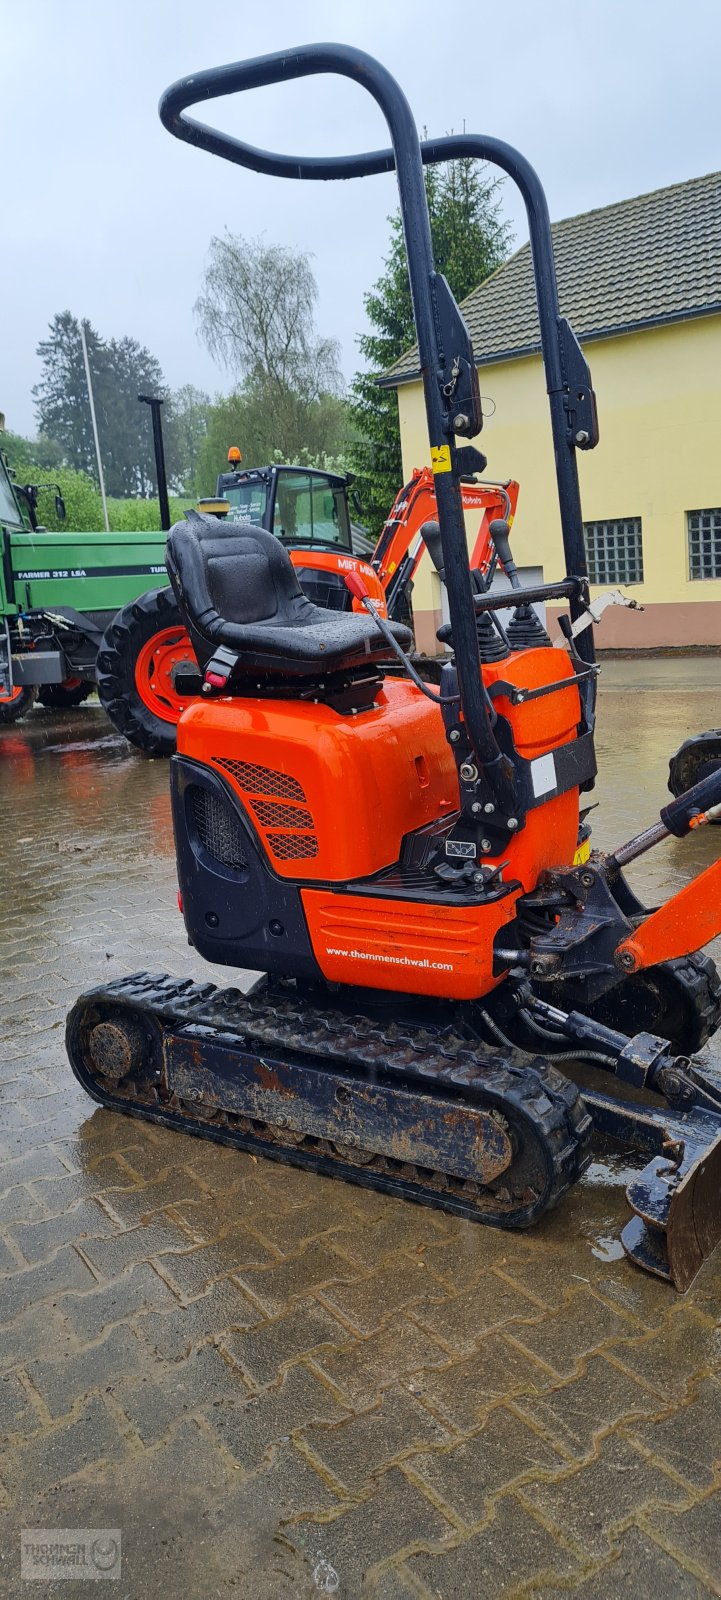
{"points": [[676, 1198]]}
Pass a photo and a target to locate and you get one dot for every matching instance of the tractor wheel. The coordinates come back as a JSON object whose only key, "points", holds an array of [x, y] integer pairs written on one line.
{"points": [[62, 696], [694, 760], [16, 705], [137, 662], [680, 1000]]}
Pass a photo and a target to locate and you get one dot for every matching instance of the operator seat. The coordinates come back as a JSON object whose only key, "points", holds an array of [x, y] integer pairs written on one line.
{"points": [[237, 588]]}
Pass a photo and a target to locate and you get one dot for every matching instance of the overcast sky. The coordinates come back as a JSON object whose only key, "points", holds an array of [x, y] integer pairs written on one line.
{"points": [[110, 217]]}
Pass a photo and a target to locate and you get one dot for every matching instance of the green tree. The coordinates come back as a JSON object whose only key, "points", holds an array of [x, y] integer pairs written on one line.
{"points": [[185, 425], [36, 461], [266, 431], [126, 436], [31, 455], [121, 369], [256, 315], [470, 239], [83, 508], [143, 516], [61, 396]]}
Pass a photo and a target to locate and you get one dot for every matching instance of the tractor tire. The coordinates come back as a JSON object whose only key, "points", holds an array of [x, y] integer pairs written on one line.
{"points": [[679, 999], [135, 668], [694, 760], [63, 696], [17, 705]]}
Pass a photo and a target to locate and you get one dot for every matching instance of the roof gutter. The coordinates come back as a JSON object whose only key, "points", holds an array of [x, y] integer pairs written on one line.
{"points": [[616, 331]]}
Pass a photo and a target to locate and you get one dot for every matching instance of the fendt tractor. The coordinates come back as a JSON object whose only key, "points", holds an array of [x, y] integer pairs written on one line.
{"points": [[58, 594], [409, 869], [86, 610]]}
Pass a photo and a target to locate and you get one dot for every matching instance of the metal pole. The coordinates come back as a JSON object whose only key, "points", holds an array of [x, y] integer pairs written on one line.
{"points": [[91, 398], [155, 403]]}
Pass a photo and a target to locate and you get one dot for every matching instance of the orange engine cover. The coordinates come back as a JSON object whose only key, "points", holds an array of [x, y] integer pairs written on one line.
{"points": [[332, 796], [550, 836]]}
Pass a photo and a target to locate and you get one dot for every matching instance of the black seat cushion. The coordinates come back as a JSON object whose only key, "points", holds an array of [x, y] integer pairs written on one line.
{"points": [[236, 586]]}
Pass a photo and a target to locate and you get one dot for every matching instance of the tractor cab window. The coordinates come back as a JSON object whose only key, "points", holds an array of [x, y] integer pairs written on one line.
{"points": [[310, 510], [247, 503], [8, 508]]}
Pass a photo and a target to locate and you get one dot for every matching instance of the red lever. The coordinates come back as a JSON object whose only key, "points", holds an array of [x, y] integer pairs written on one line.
{"points": [[215, 679], [357, 585]]}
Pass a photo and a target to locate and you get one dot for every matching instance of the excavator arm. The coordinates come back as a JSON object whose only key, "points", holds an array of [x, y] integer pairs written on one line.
{"points": [[400, 547]]}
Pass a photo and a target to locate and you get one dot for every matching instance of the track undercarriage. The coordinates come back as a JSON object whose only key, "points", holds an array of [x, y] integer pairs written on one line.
{"points": [[430, 1113], [337, 1093]]}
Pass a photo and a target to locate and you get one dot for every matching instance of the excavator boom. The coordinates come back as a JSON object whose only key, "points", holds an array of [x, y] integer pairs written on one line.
{"points": [[400, 547]]}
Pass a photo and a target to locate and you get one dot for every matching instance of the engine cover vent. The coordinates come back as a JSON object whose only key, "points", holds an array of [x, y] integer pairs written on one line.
{"points": [[293, 846], [261, 780], [218, 829]]}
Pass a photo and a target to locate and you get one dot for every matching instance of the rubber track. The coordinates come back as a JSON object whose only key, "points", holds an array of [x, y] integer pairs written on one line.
{"points": [[699, 978], [421, 1059]]}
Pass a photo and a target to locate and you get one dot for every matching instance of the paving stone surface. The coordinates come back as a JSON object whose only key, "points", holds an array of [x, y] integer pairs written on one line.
{"points": [[279, 1386]]}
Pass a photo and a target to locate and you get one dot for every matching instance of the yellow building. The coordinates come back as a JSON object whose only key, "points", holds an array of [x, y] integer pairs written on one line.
{"points": [[640, 283]]}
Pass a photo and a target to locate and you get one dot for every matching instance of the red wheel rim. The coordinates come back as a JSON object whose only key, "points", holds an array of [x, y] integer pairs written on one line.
{"points": [[155, 666], [7, 699]]}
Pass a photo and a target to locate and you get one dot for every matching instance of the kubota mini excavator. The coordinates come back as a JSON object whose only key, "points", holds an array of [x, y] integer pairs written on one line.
{"points": [[408, 867], [411, 526]]}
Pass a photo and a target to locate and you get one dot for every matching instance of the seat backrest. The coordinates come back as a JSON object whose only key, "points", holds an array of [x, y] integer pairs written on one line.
{"points": [[246, 613], [224, 572]]}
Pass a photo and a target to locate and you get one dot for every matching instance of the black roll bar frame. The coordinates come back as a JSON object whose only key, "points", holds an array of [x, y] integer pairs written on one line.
{"points": [[567, 376]]}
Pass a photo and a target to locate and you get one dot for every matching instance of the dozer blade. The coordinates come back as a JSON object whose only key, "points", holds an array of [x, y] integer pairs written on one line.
{"points": [[676, 1198]]}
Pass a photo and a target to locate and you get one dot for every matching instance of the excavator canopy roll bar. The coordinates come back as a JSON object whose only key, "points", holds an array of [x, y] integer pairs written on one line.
{"points": [[571, 399]]}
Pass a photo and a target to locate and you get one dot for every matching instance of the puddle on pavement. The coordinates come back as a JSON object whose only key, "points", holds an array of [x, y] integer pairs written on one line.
{"points": [[113, 742], [613, 1171], [608, 1248]]}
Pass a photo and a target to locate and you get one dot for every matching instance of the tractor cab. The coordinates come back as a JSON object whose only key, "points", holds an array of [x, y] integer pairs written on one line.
{"points": [[300, 505], [11, 521]]}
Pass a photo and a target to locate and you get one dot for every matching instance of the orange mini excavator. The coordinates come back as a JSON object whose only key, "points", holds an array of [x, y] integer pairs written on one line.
{"points": [[411, 527], [408, 866]]}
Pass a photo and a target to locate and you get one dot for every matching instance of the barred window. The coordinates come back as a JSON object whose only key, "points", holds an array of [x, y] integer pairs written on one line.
{"points": [[704, 543], [614, 550]]}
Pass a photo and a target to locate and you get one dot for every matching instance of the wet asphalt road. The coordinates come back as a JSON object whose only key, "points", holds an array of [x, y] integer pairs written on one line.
{"points": [[278, 1385]]}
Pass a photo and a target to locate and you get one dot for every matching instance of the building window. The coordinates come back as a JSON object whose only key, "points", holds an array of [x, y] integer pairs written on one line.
{"points": [[704, 543], [614, 550]]}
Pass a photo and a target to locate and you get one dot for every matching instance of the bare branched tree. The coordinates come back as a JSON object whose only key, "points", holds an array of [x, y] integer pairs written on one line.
{"points": [[256, 315]]}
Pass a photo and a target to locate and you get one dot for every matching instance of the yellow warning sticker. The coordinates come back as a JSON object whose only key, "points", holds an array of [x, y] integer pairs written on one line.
{"points": [[583, 852], [440, 458]]}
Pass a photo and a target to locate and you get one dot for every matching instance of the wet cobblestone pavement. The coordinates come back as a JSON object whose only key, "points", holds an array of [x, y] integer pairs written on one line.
{"points": [[281, 1386]]}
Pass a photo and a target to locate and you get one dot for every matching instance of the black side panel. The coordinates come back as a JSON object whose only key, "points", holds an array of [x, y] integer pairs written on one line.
{"points": [[237, 912]]}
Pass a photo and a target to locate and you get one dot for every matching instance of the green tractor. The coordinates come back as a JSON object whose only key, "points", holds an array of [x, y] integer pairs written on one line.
{"points": [[59, 595], [76, 612]]}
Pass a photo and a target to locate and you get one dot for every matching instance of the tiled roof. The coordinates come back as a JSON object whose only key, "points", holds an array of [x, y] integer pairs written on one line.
{"points": [[636, 264]]}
